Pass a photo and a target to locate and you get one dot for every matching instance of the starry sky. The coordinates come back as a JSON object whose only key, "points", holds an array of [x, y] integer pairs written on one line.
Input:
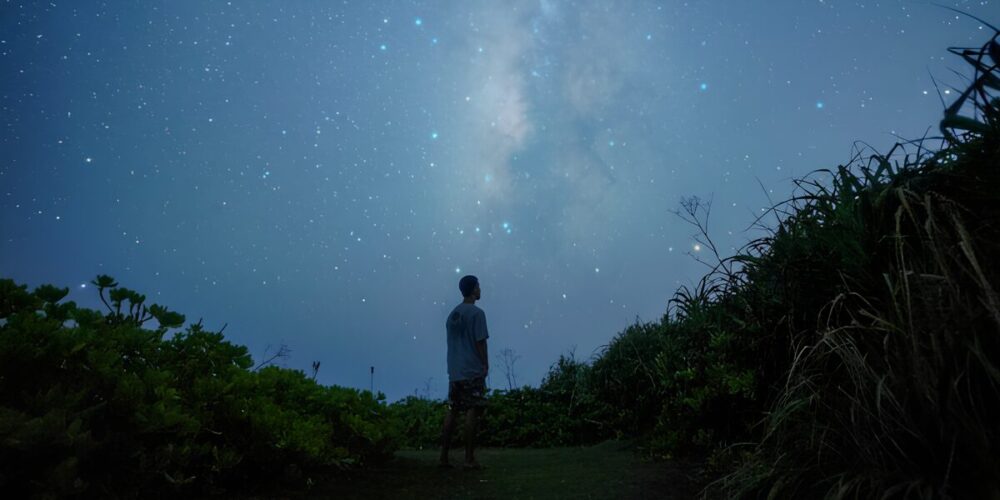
{"points": [[320, 174]]}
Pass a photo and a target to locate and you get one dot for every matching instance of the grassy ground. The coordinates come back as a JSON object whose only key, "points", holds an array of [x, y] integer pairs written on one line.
{"points": [[607, 470]]}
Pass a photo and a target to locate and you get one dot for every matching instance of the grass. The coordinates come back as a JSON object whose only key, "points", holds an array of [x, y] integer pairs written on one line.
{"points": [[608, 470], [893, 386]]}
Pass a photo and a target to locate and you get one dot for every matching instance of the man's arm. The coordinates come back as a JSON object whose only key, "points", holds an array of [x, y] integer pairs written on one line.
{"points": [[481, 349], [482, 333]]}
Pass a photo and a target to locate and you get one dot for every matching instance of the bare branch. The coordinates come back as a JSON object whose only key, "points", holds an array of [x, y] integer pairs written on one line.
{"points": [[283, 352], [507, 359]]}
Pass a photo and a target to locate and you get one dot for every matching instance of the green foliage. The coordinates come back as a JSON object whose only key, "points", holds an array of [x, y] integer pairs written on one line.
{"points": [[687, 382], [419, 421], [623, 378], [95, 404], [562, 411]]}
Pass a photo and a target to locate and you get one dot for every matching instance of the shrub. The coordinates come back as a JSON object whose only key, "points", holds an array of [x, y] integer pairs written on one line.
{"points": [[96, 404], [561, 412]]}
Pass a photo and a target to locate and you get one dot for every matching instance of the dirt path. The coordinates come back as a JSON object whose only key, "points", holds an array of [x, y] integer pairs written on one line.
{"points": [[607, 470]]}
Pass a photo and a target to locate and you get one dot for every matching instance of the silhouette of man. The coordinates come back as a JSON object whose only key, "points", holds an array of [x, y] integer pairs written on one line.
{"points": [[468, 365]]}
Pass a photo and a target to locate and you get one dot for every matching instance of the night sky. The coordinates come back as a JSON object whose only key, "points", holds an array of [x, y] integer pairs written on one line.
{"points": [[321, 174]]}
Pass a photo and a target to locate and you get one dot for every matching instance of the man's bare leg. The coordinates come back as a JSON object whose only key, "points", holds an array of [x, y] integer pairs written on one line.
{"points": [[449, 427], [471, 426]]}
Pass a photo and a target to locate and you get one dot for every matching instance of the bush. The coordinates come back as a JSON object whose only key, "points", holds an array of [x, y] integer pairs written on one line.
{"points": [[96, 404], [419, 421], [561, 412], [684, 384]]}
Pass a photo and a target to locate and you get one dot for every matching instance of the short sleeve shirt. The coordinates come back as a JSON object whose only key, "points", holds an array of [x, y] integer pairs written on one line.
{"points": [[466, 325]]}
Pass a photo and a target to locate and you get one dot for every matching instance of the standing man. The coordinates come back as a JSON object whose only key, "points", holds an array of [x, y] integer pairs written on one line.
{"points": [[468, 365]]}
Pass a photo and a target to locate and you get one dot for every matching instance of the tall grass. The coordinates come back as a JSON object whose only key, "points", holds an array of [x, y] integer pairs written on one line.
{"points": [[894, 389]]}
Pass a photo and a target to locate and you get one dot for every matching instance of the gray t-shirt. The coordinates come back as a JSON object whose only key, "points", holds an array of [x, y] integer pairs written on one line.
{"points": [[466, 325]]}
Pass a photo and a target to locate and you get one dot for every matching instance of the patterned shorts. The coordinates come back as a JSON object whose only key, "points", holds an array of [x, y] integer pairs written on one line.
{"points": [[467, 394]]}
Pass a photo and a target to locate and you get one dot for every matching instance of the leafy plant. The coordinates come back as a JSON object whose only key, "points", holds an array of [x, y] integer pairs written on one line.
{"points": [[95, 404]]}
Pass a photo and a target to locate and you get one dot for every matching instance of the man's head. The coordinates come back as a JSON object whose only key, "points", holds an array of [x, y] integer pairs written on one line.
{"points": [[469, 286]]}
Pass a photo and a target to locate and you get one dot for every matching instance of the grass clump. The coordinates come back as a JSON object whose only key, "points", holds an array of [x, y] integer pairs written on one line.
{"points": [[894, 389]]}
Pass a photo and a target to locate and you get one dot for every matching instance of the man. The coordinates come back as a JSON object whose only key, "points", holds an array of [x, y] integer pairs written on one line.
{"points": [[468, 365]]}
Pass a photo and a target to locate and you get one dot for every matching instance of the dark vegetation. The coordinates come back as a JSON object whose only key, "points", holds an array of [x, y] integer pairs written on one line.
{"points": [[95, 403], [853, 350]]}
